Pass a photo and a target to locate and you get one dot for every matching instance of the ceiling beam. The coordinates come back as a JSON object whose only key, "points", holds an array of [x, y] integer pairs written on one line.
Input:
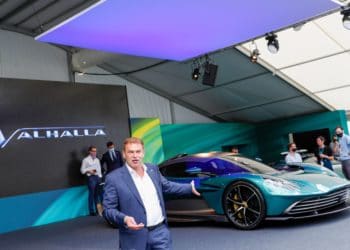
{"points": [[36, 12], [3, 2], [159, 92], [262, 104], [16, 29], [17, 10]]}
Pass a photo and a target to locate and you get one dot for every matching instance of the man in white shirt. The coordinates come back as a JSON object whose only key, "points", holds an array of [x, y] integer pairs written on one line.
{"points": [[91, 167], [133, 199]]}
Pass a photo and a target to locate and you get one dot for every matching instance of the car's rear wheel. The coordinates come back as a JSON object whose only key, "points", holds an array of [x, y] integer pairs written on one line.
{"points": [[244, 205]]}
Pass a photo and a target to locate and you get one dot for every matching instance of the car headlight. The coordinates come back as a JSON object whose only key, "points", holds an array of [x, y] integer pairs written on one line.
{"points": [[280, 186]]}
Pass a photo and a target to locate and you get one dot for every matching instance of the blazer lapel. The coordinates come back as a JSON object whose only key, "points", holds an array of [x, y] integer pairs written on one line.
{"points": [[130, 183]]}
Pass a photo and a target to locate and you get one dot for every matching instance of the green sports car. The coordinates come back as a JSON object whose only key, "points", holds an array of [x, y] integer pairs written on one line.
{"points": [[248, 192]]}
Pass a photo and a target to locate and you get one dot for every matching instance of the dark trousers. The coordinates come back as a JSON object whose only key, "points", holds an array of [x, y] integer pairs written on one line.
{"points": [[93, 186], [159, 238], [346, 168], [327, 164]]}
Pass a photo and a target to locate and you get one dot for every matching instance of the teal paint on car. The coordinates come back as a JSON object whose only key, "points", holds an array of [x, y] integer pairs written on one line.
{"points": [[247, 191]]}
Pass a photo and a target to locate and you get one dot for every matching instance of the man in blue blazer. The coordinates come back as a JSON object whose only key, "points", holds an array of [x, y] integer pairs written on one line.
{"points": [[133, 199]]}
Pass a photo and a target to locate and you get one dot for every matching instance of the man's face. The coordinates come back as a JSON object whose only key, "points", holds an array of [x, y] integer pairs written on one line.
{"points": [[338, 131], [93, 152], [111, 147], [133, 154], [293, 147], [319, 142]]}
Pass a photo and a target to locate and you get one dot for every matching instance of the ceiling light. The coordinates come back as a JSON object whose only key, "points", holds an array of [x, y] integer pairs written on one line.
{"points": [[195, 74], [272, 43], [346, 18], [298, 26], [254, 55]]}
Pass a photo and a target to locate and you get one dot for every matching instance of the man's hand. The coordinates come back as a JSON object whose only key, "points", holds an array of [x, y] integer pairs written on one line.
{"points": [[131, 223], [323, 156], [194, 190]]}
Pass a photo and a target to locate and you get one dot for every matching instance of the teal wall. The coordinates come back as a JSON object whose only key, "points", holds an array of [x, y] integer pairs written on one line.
{"points": [[36, 209], [195, 138], [272, 137], [264, 140]]}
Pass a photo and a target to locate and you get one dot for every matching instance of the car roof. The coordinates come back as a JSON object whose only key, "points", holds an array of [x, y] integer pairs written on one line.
{"points": [[200, 157]]}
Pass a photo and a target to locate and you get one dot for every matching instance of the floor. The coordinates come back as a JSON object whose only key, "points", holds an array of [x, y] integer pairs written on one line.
{"points": [[92, 233]]}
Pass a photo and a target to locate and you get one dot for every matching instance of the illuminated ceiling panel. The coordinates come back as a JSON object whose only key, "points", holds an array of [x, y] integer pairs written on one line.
{"points": [[179, 29]]}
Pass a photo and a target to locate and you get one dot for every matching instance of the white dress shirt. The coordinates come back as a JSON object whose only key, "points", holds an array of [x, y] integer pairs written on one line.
{"points": [[149, 196], [293, 158], [91, 164]]}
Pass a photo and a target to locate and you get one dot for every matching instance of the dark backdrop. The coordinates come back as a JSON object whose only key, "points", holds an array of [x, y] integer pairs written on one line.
{"points": [[40, 164]]}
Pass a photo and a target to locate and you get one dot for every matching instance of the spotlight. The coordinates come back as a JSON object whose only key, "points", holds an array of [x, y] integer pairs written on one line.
{"points": [[346, 18], [254, 55], [272, 43], [298, 26], [195, 74]]}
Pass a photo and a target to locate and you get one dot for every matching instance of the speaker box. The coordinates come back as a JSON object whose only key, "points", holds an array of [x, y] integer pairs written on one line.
{"points": [[209, 75]]}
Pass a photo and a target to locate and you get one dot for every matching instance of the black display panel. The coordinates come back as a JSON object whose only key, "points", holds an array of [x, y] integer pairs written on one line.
{"points": [[46, 128]]}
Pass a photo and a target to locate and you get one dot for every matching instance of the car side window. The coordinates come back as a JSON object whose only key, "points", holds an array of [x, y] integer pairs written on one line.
{"points": [[179, 169], [220, 166], [174, 170]]}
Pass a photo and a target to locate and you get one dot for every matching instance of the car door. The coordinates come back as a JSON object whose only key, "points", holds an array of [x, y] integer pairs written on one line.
{"points": [[180, 172]]}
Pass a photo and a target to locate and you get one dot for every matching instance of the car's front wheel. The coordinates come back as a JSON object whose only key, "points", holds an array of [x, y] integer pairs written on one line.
{"points": [[244, 205]]}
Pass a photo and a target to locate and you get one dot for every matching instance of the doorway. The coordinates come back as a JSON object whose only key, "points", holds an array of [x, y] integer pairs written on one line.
{"points": [[307, 140]]}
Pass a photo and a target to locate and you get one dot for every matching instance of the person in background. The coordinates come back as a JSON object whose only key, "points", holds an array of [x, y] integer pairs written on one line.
{"points": [[91, 167], [111, 159], [323, 153], [344, 151], [133, 199], [334, 145], [293, 156], [235, 151]]}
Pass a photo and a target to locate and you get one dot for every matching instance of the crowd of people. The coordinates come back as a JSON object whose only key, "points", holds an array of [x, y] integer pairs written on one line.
{"points": [[95, 169], [338, 149], [133, 194]]}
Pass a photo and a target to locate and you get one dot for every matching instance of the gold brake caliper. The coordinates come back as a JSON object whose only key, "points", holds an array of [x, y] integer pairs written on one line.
{"points": [[236, 207]]}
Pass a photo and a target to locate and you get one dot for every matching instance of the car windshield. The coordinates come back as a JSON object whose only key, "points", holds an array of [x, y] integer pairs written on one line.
{"points": [[250, 165]]}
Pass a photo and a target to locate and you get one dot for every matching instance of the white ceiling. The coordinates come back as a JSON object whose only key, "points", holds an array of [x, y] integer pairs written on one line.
{"points": [[316, 58]]}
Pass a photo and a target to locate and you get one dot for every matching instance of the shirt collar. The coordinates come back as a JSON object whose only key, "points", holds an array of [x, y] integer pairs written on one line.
{"points": [[132, 171], [92, 158]]}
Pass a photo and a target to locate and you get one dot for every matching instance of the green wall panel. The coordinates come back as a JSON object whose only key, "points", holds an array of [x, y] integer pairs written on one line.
{"points": [[195, 138], [148, 129], [266, 140]]}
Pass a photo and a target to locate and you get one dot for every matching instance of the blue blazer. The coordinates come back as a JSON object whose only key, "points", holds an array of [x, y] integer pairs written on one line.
{"points": [[121, 199]]}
